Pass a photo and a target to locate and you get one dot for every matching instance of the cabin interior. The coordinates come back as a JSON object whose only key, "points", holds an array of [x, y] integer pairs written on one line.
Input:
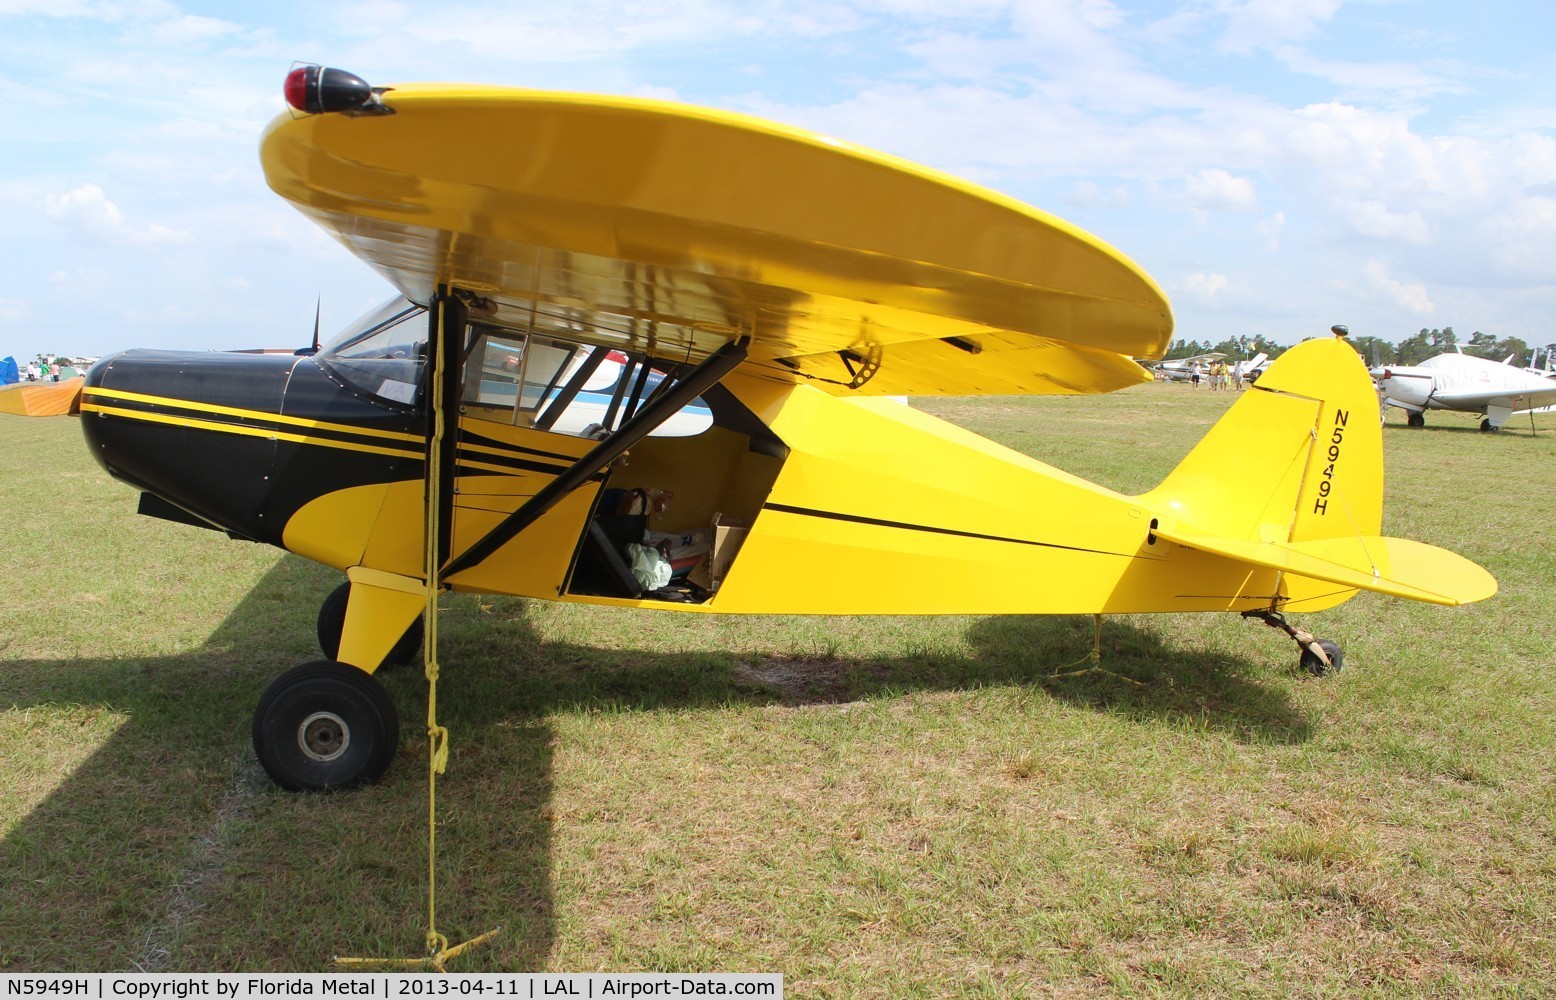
{"points": [[669, 515]]}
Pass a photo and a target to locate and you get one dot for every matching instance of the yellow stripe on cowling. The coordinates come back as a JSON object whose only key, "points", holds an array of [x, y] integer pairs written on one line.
{"points": [[244, 431], [240, 429], [233, 411]]}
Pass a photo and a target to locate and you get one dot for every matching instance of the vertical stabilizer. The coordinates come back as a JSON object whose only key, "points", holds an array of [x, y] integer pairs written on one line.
{"points": [[1298, 458]]}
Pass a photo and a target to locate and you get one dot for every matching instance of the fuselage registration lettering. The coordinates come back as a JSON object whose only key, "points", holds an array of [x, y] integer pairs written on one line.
{"points": [[1326, 484]]}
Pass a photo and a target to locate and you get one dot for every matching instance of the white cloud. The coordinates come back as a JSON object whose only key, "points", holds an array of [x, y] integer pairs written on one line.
{"points": [[12, 309], [591, 29], [1263, 24], [1334, 151], [87, 213], [1215, 190], [1391, 81], [190, 29], [655, 93], [1090, 194], [106, 11], [1372, 218], [86, 208], [1270, 229], [1409, 296], [1207, 288]]}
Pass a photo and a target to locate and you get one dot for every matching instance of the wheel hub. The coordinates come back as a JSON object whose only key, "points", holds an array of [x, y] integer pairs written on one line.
{"points": [[323, 736]]}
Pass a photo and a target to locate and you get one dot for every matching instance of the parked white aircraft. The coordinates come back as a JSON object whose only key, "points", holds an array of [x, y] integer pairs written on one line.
{"points": [[1534, 368], [1463, 382], [1254, 366], [1181, 369]]}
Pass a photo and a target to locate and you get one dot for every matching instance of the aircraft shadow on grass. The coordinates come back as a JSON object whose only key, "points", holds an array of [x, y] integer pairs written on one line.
{"points": [[167, 849]]}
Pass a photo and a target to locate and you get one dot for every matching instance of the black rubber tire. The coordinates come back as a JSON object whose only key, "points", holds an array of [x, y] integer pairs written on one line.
{"points": [[1317, 667], [332, 622], [1415, 419], [325, 726], [1487, 427]]}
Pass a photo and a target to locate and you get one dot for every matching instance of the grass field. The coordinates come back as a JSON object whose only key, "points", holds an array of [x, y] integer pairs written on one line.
{"points": [[873, 807]]}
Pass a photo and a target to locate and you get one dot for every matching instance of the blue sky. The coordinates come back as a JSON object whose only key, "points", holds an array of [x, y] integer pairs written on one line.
{"points": [[1276, 165]]}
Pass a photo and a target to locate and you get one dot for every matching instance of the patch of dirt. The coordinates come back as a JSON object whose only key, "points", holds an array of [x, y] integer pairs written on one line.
{"points": [[806, 680]]}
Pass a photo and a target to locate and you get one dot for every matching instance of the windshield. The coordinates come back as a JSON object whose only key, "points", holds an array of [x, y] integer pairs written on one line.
{"points": [[383, 352]]}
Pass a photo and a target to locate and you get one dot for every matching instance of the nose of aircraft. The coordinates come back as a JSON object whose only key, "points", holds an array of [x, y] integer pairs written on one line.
{"points": [[194, 428]]}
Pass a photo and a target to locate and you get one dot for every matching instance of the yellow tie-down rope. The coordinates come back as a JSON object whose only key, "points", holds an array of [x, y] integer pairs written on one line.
{"points": [[438, 949]]}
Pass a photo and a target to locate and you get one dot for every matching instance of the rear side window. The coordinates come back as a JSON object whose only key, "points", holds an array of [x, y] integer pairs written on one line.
{"points": [[564, 387]]}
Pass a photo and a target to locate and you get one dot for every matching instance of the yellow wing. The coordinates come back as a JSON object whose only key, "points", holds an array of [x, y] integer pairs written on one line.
{"points": [[42, 399], [670, 230]]}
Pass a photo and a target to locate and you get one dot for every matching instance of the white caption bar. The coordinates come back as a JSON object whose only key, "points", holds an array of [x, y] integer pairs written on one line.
{"points": [[389, 986]]}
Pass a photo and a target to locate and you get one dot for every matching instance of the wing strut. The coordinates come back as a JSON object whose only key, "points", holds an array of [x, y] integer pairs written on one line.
{"points": [[656, 411]]}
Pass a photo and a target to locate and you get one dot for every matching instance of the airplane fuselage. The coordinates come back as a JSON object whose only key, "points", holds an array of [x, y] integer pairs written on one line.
{"points": [[1463, 383], [842, 506], [805, 502]]}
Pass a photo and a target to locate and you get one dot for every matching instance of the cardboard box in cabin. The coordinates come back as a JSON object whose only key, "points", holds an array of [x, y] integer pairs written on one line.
{"points": [[726, 535]]}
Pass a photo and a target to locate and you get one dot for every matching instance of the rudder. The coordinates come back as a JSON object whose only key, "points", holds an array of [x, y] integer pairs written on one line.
{"points": [[1298, 458]]}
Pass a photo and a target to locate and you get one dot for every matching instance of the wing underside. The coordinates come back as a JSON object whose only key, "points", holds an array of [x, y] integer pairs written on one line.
{"points": [[671, 231]]}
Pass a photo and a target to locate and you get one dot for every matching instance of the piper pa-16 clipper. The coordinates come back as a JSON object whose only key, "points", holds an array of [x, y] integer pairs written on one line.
{"points": [[776, 282]]}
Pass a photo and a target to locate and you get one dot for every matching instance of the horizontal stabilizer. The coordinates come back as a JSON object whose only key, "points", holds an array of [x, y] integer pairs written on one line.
{"points": [[1394, 566]]}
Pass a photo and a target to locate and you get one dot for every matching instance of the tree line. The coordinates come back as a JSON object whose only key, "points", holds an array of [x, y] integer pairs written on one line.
{"points": [[1374, 350]]}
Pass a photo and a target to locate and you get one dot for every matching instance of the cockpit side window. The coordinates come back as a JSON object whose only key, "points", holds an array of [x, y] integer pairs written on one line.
{"points": [[511, 377], [383, 353]]}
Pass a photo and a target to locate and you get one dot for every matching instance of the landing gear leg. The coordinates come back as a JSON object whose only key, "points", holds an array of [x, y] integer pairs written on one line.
{"points": [[1318, 656], [328, 725], [332, 624]]}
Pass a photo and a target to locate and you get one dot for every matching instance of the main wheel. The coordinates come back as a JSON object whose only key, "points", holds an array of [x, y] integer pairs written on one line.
{"points": [[325, 726], [332, 622], [1487, 426], [1313, 665], [1415, 419]]}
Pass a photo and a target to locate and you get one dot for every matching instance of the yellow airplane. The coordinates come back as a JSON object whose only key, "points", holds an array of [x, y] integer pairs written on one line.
{"points": [[608, 304]]}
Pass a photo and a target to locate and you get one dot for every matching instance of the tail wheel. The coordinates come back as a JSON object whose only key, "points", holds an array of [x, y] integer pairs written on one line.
{"points": [[332, 622], [325, 726], [1317, 667]]}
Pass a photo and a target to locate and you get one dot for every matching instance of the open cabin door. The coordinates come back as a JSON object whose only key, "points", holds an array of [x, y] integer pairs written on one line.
{"points": [[512, 443]]}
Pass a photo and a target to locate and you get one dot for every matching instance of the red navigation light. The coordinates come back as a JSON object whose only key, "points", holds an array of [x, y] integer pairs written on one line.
{"points": [[297, 86], [316, 89]]}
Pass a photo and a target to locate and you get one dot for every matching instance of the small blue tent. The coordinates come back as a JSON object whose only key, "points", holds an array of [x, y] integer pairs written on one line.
{"points": [[9, 372]]}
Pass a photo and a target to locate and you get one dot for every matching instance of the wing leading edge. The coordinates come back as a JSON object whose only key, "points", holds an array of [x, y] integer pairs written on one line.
{"points": [[672, 230]]}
